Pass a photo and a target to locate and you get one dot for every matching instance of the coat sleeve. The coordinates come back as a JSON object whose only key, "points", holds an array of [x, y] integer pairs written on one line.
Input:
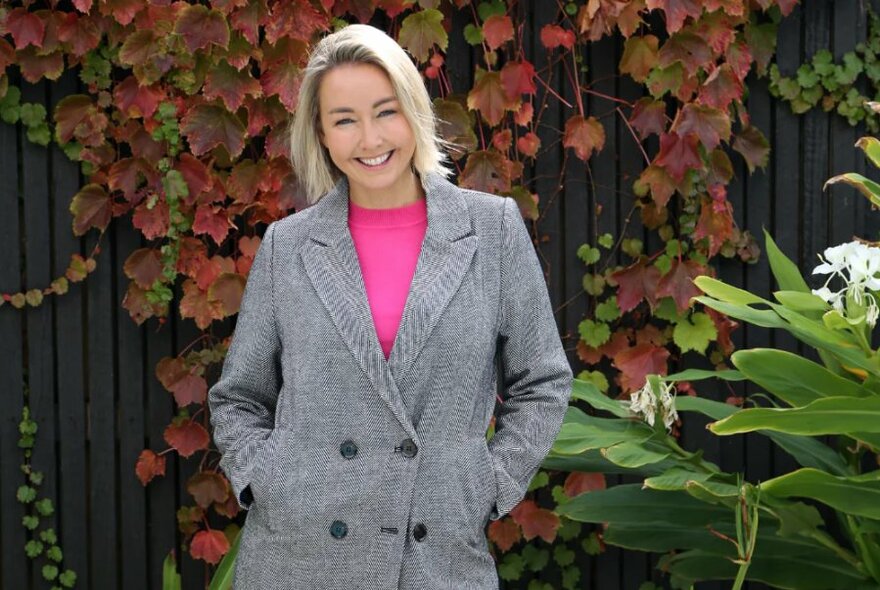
{"points": [[535, 373], [242, 402]]}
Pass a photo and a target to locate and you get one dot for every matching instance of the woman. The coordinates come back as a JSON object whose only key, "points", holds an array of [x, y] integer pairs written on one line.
{"points": [[354, 400]]}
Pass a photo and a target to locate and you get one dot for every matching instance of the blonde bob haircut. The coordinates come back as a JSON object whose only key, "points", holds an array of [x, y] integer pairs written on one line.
{"points": [[357, 43]]}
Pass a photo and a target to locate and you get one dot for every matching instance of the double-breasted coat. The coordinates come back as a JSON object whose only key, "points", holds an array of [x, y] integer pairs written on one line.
{"points": [[374, 474]]}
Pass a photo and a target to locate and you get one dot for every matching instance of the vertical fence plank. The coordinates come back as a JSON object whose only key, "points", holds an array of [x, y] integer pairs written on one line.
{"points": [[13, 561]]}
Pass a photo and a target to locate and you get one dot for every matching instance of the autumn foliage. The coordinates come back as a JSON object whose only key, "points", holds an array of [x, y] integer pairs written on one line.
{"points": [[183, 128]]}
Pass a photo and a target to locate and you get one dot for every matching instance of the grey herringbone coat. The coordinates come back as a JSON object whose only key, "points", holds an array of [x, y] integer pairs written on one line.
{"points": [[374, 474]]}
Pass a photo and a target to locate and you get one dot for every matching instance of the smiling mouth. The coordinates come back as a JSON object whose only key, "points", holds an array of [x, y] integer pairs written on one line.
{"points": [[375, 162]]}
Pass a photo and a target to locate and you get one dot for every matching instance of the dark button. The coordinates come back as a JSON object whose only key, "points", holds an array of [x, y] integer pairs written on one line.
{"points": [[348, 449], [408, 448], [419, 531], [338, 529]]}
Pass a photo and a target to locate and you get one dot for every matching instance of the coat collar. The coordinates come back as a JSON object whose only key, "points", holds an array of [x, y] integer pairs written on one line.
{"points": [[332, 264]]}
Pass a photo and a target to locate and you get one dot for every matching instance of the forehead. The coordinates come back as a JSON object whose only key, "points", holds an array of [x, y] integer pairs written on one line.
{"points": [[354, 86]]}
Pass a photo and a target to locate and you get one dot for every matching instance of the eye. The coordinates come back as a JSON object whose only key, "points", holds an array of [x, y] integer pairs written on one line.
{"points": [[342, 121], [389, 111]]}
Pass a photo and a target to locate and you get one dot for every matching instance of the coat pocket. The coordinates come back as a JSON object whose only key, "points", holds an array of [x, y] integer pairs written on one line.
{"points": [[488, 476], [264, 467]]}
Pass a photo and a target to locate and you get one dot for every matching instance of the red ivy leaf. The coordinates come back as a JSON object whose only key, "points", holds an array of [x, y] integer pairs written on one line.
{"points": [[536, 521], [634, 283], [688, 49], [487, 171], [81, 33], [504, 533], [731, 7], [76, 116], [149, 465], [585, 135], [295, 19], [553, 36], [200, 26], [186, 436], [518, 77], [678, 154], [497, 30], [154, 222], [135, 100], [639, 56], [753, 146], [724, 326], [207, 126], [230, 85], [422, 30], [122, 11], [228, 289], [209, 545], [489, 96], [135, 301], [195, 304], [126, 174], [26, 28], [196, 175], [721, 88], [740, 59], [91, 207], [212, 221], [528, 144], [659, 182], [718, 29], [716, 220], [676, 11], [678, 283], [648, 116], [248, 246], [207, 487], [636, 363], [579, 482], [143, 266], [710, 124]]}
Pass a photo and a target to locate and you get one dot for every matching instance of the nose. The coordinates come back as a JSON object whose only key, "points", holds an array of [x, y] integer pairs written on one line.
{"points": [[371, 136]]}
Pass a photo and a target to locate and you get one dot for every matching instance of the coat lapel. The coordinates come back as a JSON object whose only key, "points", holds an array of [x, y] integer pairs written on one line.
{"points": [[332, 264]]}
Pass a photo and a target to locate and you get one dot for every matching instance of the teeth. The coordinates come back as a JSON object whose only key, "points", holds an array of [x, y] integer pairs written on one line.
{"points": [[375, 161]]}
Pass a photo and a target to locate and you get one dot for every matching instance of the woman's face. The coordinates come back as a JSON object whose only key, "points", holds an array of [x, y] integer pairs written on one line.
{"points": [[366, 134]]}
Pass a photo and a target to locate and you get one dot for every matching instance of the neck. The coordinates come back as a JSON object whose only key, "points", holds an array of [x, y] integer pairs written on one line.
{"points": [[406, 192]]}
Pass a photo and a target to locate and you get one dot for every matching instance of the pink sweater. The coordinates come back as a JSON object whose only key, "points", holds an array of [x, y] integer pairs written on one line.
{"points": [[388, 242]]}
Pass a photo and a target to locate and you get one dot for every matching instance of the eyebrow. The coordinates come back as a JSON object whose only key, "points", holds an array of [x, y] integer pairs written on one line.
{"points": [[376, 104]]}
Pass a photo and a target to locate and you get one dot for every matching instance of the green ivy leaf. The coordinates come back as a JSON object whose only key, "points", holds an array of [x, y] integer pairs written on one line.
{"points": [[632, 247], [33, 548], [50, 572], [536, 559], [667, 310], [54, 553], [36, 477], [511, 567], [559, 495], [588, 254], [562, 555], [44, 507], [807, 76], [68, 578], [695, 334], [473, 34], [608, 310], [570, 577], [539, 481], [597, 378], [30, 522], [591, 544], [26, 494], [49, 536], [606, 240], [569, 529], [595, 334], [492, 8]]}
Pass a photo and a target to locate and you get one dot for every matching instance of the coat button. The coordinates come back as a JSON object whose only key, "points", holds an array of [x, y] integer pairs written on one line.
{"points": [[348, 449], [338, 529], [419, 531], [408, 448]]}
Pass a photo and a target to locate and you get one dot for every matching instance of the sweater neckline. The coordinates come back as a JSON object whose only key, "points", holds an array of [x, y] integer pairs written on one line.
{"points": [[404, 215]]}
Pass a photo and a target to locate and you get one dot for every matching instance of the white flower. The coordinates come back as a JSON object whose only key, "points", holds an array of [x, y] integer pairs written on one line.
{"points": [[858, 265], [655, 397]]}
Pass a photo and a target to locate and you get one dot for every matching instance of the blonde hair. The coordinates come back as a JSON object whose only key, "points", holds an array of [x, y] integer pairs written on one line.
{"points": [[361, 44]]}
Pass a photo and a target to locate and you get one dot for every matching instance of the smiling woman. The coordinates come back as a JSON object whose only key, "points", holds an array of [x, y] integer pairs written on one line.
{"points": [[367, 137], [362, 376]]}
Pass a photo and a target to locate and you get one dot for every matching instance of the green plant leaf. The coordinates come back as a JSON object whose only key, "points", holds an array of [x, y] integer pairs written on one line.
{"points": [[422, 30], [786, 272], [859, 496], [581, 432], [866, 186], [799, 301], [830, 415], [792, 378], [699, 374], [631, 454], [170, 576], [724, 292], [590, 393], [695, 333]]}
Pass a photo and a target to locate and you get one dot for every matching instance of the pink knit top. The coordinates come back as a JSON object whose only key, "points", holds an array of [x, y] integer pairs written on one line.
{"points": [[388, 242]]}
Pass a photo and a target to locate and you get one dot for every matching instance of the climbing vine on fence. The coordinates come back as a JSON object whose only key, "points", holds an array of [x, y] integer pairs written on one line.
{"points": [[181, 126]]}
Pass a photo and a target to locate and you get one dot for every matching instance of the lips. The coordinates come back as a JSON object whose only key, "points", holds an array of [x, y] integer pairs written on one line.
{"points": [[377, 162]]}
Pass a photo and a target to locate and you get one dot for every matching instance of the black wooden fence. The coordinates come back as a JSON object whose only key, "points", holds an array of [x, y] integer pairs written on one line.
{"points": [[89, 370]]}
